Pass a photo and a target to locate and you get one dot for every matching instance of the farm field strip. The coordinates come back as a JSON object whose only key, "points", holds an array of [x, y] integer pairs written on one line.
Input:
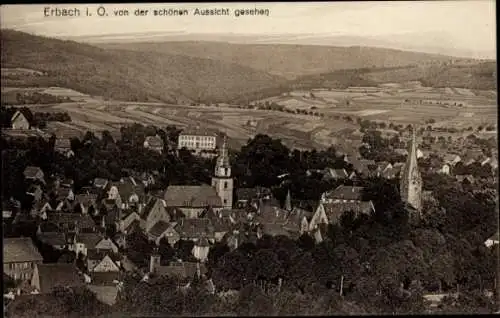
{"points": [[155, 118]]}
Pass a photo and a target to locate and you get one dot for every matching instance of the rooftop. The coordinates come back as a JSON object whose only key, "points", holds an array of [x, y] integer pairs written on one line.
{"points": [[20, 249], [57, 274], [192, 196]]}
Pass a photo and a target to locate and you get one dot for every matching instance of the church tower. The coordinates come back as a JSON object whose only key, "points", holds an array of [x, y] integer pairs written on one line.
{"points": [[411, 180], [222, 181]]}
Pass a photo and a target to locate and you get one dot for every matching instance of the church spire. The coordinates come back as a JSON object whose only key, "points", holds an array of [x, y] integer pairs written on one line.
{"points": [[411, 180], [288, 201]]}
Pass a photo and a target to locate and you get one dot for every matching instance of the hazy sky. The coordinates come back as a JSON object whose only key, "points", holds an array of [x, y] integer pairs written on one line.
{"points": [[471, 24]]}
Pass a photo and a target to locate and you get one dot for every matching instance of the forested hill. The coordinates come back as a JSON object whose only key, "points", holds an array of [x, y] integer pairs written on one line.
{"points": [[290, 61], [127, 75]]}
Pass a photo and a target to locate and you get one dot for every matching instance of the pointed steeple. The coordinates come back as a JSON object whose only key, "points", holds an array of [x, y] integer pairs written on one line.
{"points": [[411, 180], [288, 201]]}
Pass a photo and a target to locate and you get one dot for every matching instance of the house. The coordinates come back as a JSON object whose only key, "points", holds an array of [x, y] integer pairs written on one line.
{"points": [[334, 204], [105, 285], [445, 169], [159, 230], [100, 183], [154, 143], [64, 194], [492, 161], [34, 174], [10, 208], [127, 192], [451, 159], [20, 256], [85, 241], [71, 221], [63, 146], [40, 208], [198, 140], [194, 229], [335, 174], [127, 218], [153, 212], [221, 227], [90, 241], [492, 240], [191, 200], [465, 178], [200, 249], [363, 166], [19, 121], [178, 269], [55, 239], [331, 213], [35, 191], [46, 277], [86, 203], [246, 196], [343, 193], [102, 261]]}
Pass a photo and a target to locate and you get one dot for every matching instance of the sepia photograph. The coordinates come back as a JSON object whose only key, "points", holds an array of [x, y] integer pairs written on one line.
{"points": [[249, 159]]}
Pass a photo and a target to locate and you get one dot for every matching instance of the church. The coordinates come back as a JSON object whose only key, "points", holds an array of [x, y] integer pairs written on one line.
{"points": [[193, 200], [411, 182]]}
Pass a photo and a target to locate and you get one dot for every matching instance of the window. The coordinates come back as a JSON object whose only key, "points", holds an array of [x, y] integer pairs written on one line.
{"points": [[225, 201], [225, 184]]}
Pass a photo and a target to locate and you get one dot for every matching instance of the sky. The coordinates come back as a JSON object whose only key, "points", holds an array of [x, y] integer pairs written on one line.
{"points": [[469, 23]]}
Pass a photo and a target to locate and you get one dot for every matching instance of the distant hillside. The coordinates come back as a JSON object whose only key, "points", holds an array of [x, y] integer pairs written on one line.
{"points": [[127, 75], [479, 76], [290, 61]]}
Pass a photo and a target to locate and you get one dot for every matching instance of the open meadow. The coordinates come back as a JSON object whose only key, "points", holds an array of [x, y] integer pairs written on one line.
{"points": [[397, 103]]}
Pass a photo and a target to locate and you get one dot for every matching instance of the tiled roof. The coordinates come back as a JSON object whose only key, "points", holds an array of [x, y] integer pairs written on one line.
{"points": [[192, 196], [343, 192], [203, 242], [70, 219], [105, 278], [195, 228], [274, 229], [63, 193], [246, 193], [62, 143], [20, 249], [89, 239], [198, 132], [86, 199], [335, 210], [52, 238], [100, 182], [53, 275], [149, 207], [272, 214], [181, 270], [30, 171], [97, 255], [221, 224], [159, 228]]}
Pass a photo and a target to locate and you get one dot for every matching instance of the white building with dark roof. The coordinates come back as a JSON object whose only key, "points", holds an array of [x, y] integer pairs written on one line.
{"points": [[198, 140]]}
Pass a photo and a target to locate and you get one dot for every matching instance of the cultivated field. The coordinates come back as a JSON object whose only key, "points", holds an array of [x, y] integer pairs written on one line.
{"points": [[404, 104]]}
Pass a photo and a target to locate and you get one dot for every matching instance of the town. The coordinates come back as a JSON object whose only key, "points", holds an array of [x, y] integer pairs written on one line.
{"points": [[172, 221]]}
